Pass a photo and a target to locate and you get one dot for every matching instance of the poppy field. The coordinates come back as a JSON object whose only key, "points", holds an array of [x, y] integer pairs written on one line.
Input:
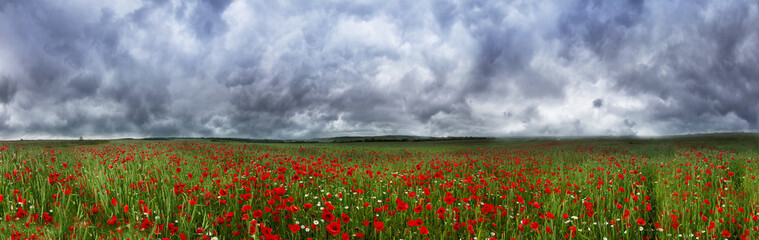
{"points": [[697, 187]]}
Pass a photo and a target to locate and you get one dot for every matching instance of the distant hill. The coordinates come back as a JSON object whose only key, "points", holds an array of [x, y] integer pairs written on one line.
{"points": [[411, 138], [393, 138], [340, 139]]}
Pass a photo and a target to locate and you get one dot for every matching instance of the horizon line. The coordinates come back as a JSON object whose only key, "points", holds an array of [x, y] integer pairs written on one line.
{"points": [[385, 135]]}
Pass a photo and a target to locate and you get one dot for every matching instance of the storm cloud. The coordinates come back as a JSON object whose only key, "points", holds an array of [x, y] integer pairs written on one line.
{"points": [[304, 69]]}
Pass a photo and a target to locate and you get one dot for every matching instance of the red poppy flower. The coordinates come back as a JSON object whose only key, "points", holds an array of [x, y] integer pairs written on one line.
{"points": [[401, 205], [112, 220], [411, 223], [423, 230], [329, 206], [334, 228], [449, 200], [534, 226], [146, 224], [640, 221], [246, 196], [572, 231], [327, 216], [257, 214], [520, 200], [440, 211], [294, 228], [47, 218], [379, 226]]}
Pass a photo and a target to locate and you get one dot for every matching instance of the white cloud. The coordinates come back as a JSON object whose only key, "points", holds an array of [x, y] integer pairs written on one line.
{"points": [[328, 68]]}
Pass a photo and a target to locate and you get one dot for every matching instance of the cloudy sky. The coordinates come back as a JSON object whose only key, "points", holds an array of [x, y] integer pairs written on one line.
{"points": [[303, 69]]}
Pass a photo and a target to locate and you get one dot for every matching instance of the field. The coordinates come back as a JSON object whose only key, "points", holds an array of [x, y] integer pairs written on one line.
{"points": [[691, 187]]}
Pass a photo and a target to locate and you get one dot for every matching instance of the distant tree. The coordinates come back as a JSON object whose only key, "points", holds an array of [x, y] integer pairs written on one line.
{"points": [[81, 138]]}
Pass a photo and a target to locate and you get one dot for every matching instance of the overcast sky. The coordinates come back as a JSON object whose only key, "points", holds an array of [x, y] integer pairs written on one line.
{"points": [[303, 69]]}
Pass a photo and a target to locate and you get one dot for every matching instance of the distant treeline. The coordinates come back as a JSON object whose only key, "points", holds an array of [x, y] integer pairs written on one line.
{"points": [[217, 139], [320, 140], [247, 140], [400, 139]]}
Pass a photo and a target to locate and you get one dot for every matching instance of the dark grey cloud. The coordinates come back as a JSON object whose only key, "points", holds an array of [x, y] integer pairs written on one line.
{"points": [[206, 18], [7, 90], [705, 76], [600, 26], [313, 69], [598, 103]]}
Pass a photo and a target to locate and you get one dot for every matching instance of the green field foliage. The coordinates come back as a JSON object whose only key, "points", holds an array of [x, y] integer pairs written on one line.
{"points": [[685, 187]]}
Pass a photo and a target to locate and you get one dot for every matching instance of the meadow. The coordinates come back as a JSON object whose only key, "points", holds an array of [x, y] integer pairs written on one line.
{"points": [[688, 187]]}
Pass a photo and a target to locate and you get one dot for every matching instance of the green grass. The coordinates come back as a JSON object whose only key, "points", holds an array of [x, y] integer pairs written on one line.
{"points": [[558, 174]]}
